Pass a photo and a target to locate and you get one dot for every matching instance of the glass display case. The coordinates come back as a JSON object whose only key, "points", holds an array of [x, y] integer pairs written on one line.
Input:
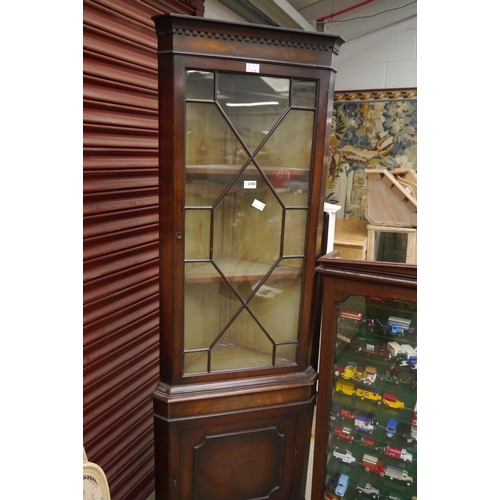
{"points": [[366, 430], [244, 118]]}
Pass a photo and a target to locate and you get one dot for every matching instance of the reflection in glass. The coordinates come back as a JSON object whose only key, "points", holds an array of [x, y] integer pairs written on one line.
{"points": [[295, 232], [243, 345], [209, 139], [253, 104], [248, 159], [290, 145], [247, 224], [304, 93], [197, 234], [199, 84]]}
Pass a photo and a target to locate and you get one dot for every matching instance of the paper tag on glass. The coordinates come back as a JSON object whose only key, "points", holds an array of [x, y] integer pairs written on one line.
{"points": [[258, 205], [249, 184]]}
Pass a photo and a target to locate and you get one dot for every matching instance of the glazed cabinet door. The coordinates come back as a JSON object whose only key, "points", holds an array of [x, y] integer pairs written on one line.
{"points": [[248, 230]]}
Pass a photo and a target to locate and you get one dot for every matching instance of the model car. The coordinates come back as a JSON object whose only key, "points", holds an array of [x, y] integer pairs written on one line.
{"points": [[375, 396], [407, 432], [369, 375], [338, 370], [374, 464], [367, 490], [335, 412], [358, 374], [393, 496], [392, 401], [344, 455], [342, 485], [330, 496], [391, 428], [398, 374], [349, 370], [333, 481], [343, 432], [367, 441], [397, 452]]}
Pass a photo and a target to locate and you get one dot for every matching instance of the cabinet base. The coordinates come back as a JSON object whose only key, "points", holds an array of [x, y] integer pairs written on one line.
{"points": [[236, 453]]}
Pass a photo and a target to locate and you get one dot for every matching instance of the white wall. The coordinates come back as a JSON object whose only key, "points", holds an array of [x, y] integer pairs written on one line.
{"points": [[380, 51], [389, 64], [215, 10]]}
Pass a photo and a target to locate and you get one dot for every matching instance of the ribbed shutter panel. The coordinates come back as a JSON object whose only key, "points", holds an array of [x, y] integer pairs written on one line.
{"points": [[120, 231]]}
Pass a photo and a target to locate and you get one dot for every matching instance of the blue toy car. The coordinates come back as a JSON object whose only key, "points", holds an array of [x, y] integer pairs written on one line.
{"points": [[342, 485], [391, 427]]}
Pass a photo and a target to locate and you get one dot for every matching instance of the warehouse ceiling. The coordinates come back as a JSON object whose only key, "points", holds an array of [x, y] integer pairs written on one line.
{"points": [[348, 18]]}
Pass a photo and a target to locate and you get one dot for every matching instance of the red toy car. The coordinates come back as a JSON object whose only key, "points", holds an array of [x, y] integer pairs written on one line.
{"points": [[367, 441], [374, 464], [343, 432]]}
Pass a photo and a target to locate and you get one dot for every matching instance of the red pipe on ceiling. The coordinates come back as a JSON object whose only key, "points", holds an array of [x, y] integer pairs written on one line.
{"points": [[342, 11]]}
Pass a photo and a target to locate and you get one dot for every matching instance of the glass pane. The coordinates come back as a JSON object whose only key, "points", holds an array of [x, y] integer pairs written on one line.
{"points": [[244, 345], [199, 84], [247, 229], [374, 405], [304, 93], [197, 234], [195, 362], [295, 232], [286, 353], [277, 302], [290, 145], [245, 213], [253, 104], [391, 247]]}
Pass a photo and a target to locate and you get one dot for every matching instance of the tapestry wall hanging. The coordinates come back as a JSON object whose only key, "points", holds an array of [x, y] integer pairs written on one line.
{"points": [[370, 129]]}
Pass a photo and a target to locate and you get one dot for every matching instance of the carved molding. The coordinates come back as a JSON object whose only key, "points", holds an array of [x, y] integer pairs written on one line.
{"points": [[247, 39]]}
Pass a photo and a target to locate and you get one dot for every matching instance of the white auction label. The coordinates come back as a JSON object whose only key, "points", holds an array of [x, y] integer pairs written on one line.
{"points": [[253, 68], [258, 205], [249, 184]]}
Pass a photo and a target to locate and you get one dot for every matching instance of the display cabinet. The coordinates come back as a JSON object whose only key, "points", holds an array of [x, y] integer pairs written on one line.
{"points": [[244, 119], [366, 421]]}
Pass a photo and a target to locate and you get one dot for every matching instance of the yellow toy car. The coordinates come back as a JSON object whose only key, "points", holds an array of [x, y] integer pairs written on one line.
{"points": [[392, 401], [362, 393], [349, 370]]}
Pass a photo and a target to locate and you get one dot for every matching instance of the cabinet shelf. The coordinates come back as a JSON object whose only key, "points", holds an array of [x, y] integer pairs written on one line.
{"points": [[222, 169], [241, 270]]}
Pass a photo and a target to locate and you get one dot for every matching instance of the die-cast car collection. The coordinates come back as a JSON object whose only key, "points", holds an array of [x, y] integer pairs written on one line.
{"points": [[374, 412]]}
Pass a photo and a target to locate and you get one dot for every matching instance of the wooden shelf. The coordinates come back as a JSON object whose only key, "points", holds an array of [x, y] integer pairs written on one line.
{"points": [[222, 169], [241, 270], [233, 357]]}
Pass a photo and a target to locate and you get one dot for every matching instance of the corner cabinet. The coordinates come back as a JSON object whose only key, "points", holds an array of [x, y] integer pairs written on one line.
{"points": [[244, 121], [366, 420]]}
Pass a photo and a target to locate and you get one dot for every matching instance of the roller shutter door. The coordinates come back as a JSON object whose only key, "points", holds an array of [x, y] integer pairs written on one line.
{"points": [[120, 237]]}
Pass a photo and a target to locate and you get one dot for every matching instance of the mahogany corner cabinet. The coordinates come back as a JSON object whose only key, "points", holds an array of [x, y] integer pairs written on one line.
{"points": [[366, 417], [244, 122]]}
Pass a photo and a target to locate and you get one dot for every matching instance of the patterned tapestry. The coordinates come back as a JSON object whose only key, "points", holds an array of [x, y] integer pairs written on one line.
{"points": [[370, 129]]}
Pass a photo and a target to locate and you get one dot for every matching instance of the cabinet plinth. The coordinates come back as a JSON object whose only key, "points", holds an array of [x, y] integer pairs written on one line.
{"points": [[244, 115]]}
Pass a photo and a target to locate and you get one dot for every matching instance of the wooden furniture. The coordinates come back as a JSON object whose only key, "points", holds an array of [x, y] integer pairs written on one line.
{"points": [[244, 119], [391, 197], [368, 379], [400, 244], [351, 238]]}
